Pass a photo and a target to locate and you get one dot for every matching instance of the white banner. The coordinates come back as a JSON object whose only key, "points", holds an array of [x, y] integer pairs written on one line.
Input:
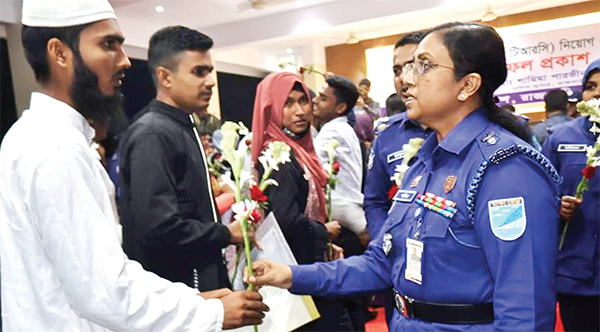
{"points": [[540, 62]]}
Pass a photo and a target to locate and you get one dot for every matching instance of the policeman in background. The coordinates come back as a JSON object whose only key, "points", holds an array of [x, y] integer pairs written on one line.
{"points": [[578, 276], [470, 241], [392, 132]]}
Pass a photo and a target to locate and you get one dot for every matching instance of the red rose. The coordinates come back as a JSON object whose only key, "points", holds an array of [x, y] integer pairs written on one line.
{"points": [[248, 142], [588, 172], [257, 195], [301, 70], [255, 216], [392, 192], [336, 167]]}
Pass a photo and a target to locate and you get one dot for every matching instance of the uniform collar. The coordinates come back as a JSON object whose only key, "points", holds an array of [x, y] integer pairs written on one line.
{"points": [[172, 112], [466, 131], [459, 137], [406, 122], [58, 110]]}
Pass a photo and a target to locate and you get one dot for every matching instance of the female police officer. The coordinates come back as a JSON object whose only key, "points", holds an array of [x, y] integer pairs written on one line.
{"points": [[578, 272], [471, 239]]}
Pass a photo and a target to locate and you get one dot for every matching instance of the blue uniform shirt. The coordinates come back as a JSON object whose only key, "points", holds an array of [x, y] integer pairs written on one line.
{"points": [[484, 253], [578, 271], [385, 155]]}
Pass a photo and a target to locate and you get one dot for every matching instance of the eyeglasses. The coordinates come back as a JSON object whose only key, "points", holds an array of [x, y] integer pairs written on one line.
{"points": [[420, 67]]}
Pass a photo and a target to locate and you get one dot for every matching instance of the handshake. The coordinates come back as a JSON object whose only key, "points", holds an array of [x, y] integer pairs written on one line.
{"points": [[243, 308]]}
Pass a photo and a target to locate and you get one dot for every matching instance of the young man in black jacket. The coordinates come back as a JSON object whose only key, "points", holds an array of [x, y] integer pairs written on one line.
{"points": [[170, 221]]}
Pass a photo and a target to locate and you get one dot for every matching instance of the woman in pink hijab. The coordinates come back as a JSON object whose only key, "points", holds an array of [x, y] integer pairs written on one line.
{"points": [[282, 112]]}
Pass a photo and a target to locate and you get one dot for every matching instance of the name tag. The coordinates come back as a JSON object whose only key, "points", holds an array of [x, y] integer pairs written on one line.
{"points": [[395, 156], [405, 196], [571, 147], [414, 254]]}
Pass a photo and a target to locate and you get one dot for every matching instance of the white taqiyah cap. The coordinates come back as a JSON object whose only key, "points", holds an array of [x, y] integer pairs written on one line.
{"points": [[65, 13]]}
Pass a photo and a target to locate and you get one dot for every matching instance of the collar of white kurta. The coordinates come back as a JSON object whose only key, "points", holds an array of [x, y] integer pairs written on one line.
{"points": [[46, 106]]}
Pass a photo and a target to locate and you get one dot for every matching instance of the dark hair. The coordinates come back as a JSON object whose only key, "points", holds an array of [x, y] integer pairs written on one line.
{"points": [[344, 91], [365, 81], [508, 108], [394, 105], [35, 40], [208, 124], [477, 48], [169, 42], [556, 100], [298, 87], [411, 38]]}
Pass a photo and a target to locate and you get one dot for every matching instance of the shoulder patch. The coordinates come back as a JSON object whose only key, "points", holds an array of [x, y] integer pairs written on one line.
{"points": [[496, 158], [508, 218]]}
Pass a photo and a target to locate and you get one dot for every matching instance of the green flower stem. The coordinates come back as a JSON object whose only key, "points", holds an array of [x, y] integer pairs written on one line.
{"points": [[247, 250], [564, 233], [238, 254], [263, 182], [328, 204]]}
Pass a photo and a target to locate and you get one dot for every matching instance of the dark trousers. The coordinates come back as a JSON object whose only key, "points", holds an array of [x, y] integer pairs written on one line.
{"points": [[579, 313]]}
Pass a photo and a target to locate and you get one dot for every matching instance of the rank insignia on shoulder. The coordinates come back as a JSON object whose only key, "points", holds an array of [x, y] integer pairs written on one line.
{"points": [[571, 148], [415, 181], [508, 218], [405, 196], [490, 138], [395, 156], [387, 243], [450, 183]]}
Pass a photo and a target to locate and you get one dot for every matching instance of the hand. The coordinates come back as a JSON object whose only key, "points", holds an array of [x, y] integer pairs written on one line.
{"points": [[269, 273], [360, 101], [568, 207], [334, 252], [216, 294], [333, 229], [243, 308]]}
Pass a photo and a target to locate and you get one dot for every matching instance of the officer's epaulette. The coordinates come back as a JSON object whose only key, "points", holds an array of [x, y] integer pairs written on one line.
{"points": [[383, 123], [500, 154]]}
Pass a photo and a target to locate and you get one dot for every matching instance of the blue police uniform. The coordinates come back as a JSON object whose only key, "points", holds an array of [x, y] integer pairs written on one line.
{"points": [[385, 155], [578, 271], [488, 265]]}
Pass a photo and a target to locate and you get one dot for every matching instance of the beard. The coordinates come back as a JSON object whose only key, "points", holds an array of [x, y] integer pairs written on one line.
{"points": [[94, 105]]}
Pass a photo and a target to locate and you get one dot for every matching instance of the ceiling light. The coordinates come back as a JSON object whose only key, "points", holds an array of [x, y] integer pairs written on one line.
{"points": [[289, 50], [159, 9]]}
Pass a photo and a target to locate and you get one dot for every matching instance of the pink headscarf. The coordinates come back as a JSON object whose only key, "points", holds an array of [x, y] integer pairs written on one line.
{"points": [[271, 94]]}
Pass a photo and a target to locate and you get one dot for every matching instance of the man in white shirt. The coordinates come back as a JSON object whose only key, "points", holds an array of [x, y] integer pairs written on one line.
{"points": [[63, 268], [333, 102]]}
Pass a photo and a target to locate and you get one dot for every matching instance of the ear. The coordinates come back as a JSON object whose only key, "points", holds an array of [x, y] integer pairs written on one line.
{"points": [[58, 52], [163, 77], [341, 108], [471, 84]]}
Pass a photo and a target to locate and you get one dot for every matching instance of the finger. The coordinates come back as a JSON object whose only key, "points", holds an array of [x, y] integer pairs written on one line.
{"points": [[252, 296], [258, 245]]}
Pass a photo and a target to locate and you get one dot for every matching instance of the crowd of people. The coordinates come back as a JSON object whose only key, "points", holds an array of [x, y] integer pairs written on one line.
{"points": [[448, 205]]}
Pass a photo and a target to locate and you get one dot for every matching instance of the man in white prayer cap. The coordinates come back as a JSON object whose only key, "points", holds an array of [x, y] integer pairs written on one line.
{"points": [[63, 268]]}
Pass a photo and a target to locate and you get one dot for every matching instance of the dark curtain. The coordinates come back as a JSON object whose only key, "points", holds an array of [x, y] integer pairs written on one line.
{"points": [[8, 110], [236, 96]]}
